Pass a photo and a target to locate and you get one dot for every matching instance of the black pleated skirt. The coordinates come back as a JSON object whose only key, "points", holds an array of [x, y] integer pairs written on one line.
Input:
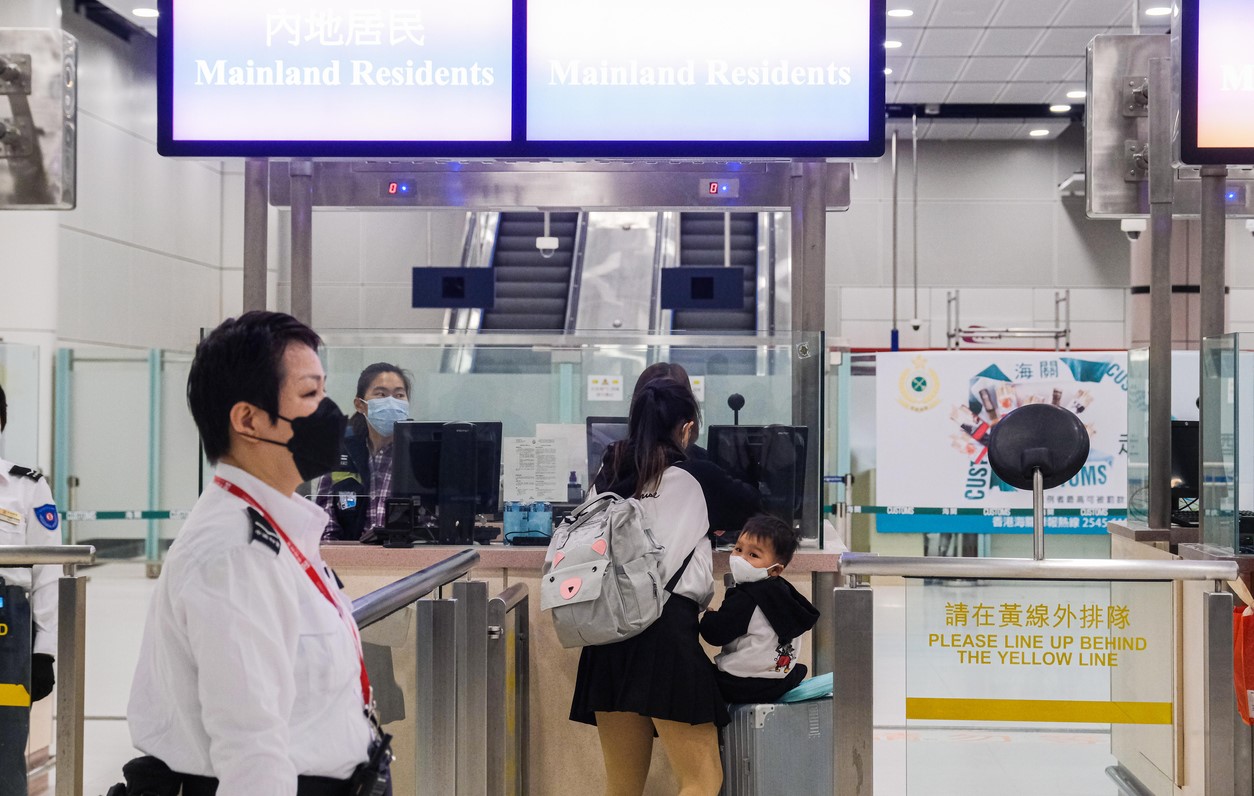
{"points": [[663, 673]]}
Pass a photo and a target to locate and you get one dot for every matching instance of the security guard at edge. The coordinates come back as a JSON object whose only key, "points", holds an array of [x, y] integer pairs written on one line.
{"points": [[28, 516]]}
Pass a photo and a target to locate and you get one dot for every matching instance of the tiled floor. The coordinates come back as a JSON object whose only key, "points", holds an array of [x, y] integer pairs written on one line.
{"points": [[909, 761]]}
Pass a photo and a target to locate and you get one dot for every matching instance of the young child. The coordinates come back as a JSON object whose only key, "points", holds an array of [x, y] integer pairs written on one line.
{"points": [[761, 618]]}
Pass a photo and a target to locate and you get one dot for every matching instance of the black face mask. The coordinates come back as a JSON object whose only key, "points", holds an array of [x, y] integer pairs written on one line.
{"points": [[316, 439]]}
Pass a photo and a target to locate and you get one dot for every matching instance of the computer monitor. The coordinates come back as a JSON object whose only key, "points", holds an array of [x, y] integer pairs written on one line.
{"points": [[445, 474], [602, 431], [1185, 461], [772, 457]]}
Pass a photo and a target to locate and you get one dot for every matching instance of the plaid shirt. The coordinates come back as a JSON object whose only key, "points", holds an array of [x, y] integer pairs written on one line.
{"points": [[380, 463]]}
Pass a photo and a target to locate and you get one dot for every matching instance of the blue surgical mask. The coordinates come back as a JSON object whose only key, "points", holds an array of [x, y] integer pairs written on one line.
{"points": [[382, 414]]}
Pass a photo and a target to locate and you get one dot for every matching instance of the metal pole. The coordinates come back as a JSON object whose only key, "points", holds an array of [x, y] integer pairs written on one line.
{"points": [[435, 753], [71, 680], [821, 586], [1162, 194], [914, 201], [256, 230], [809, 290], [1218, 727], [152, 544], [852, 702], [498, 688], [1214, 218], [522, 697], [1038, 515], [726, 240], [472, 686], [894, 164], [302, 240]]}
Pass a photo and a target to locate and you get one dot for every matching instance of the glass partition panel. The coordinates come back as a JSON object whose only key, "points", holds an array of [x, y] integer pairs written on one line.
{"points": [[1138, 436], [19, 375], [389, 647], [177, 477], [541, 411], [1221, 386], [1050, 671]]}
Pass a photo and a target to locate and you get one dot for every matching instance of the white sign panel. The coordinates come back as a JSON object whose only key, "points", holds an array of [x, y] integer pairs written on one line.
{"points": [[935, 410], [605, 388], [533, 470]]}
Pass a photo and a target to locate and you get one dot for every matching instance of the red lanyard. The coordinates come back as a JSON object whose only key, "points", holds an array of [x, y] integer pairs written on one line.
{"points": [[311, 574]]}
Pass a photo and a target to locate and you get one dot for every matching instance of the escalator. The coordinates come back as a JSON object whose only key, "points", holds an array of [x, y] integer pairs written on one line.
{"points": [[531, 290], [701, 242]]}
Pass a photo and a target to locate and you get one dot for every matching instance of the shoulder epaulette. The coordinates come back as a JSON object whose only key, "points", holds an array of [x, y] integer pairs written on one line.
{"points": [[262, 531], [25, 472]]}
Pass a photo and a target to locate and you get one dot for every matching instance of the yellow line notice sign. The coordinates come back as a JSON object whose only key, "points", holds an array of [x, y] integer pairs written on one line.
{"points": [[1039, 710], [14, 696]]}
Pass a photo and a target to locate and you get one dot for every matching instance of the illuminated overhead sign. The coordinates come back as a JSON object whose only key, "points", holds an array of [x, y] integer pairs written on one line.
{"points": [[1217, 82], [521, 78]]}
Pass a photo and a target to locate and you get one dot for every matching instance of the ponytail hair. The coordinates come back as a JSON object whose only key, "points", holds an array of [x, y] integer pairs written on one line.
{"points": [[657, 409]]}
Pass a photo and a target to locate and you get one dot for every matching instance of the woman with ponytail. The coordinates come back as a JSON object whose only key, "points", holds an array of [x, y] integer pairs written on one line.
{"points": [[661, 681]]}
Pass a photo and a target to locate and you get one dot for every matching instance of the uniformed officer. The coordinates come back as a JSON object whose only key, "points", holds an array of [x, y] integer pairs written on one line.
{"points": [[28, 516], [250, 677]]}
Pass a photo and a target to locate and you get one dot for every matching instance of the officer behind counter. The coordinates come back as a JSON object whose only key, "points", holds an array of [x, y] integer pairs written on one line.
{"points": [[28, 595], [250, 677], [355, 492]]}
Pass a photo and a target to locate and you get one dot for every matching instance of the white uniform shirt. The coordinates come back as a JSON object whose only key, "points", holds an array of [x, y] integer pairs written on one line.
{"points": [[246, 672], [29, 517]]}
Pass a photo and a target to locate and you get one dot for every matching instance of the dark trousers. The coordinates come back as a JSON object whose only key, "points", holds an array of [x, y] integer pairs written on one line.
{"points": [[15, 641]]}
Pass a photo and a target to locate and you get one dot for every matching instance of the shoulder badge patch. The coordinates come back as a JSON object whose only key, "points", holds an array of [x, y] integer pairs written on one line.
{"points": [[48, 516], [25, 472], [262, 531]]}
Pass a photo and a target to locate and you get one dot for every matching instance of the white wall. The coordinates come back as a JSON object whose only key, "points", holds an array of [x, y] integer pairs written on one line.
{"points": [[991, 224], [141, 256]]}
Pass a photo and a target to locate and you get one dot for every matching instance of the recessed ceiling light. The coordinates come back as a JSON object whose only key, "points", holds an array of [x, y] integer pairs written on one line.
{"points": [[1038, 133], [1059, 108], [891, 45], [144, 13], [888, 70], [1158, 11], [1077, 94], [901, 12]]}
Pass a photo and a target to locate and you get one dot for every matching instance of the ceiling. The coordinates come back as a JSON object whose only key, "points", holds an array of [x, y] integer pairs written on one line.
{"points": [[1001, 51]]}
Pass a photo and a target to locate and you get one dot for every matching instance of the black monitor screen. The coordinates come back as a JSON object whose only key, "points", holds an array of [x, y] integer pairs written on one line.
{"points": [[601, 432], [772, 457], [1185, 459], [420, 468]]}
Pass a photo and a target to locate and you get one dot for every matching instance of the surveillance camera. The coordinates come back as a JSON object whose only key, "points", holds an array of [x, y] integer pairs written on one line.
{"points": [[1133, 227], [916, 324], [547, 246]]}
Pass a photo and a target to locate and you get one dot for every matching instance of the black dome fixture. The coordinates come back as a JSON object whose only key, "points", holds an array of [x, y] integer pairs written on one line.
{"points": [[1038, 447]]}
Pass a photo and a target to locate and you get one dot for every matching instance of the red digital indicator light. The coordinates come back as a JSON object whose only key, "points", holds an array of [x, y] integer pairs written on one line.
{"points": [[392, 188], [713, 188]]}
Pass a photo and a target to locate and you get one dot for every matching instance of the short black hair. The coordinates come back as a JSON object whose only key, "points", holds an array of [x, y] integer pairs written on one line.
{"points": [[367, 377], [775, 532], [4, 409], [241, 360]]}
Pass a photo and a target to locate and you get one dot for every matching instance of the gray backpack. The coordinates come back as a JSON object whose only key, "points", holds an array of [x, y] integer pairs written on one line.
{"points": [[603, 573]]}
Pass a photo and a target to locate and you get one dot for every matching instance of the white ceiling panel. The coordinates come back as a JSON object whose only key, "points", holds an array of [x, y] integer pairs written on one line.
{"points": [[935, 70], [970, 93], [948, 41], [1095, 12], [990, 69], [1050, 70], [909, 38], [899, 64], [1007, 41], [1027, 92], [923, 92], [974, 13], [922, 13], [1064, 41], [997, 128], [1027, 13]]}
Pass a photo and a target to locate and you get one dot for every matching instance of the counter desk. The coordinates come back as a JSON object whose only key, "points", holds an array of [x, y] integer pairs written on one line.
{"points": [[565, 756]]}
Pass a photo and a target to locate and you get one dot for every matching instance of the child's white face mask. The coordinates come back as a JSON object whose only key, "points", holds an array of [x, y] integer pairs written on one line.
{"points": [[744, 572]]}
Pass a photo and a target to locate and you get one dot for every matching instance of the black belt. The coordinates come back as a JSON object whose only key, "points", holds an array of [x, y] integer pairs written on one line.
{"points": [[148, 776]]}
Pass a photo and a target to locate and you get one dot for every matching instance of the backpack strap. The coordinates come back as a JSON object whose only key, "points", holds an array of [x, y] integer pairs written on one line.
{"points": [[674, 581]]}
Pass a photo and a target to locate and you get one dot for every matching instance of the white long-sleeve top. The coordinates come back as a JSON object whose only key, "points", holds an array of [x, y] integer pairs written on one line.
{"points": [[29, 517], [246, 671]]}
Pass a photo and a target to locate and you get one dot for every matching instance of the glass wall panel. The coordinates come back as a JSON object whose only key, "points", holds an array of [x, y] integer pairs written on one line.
{"points": [[19, 375]]}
